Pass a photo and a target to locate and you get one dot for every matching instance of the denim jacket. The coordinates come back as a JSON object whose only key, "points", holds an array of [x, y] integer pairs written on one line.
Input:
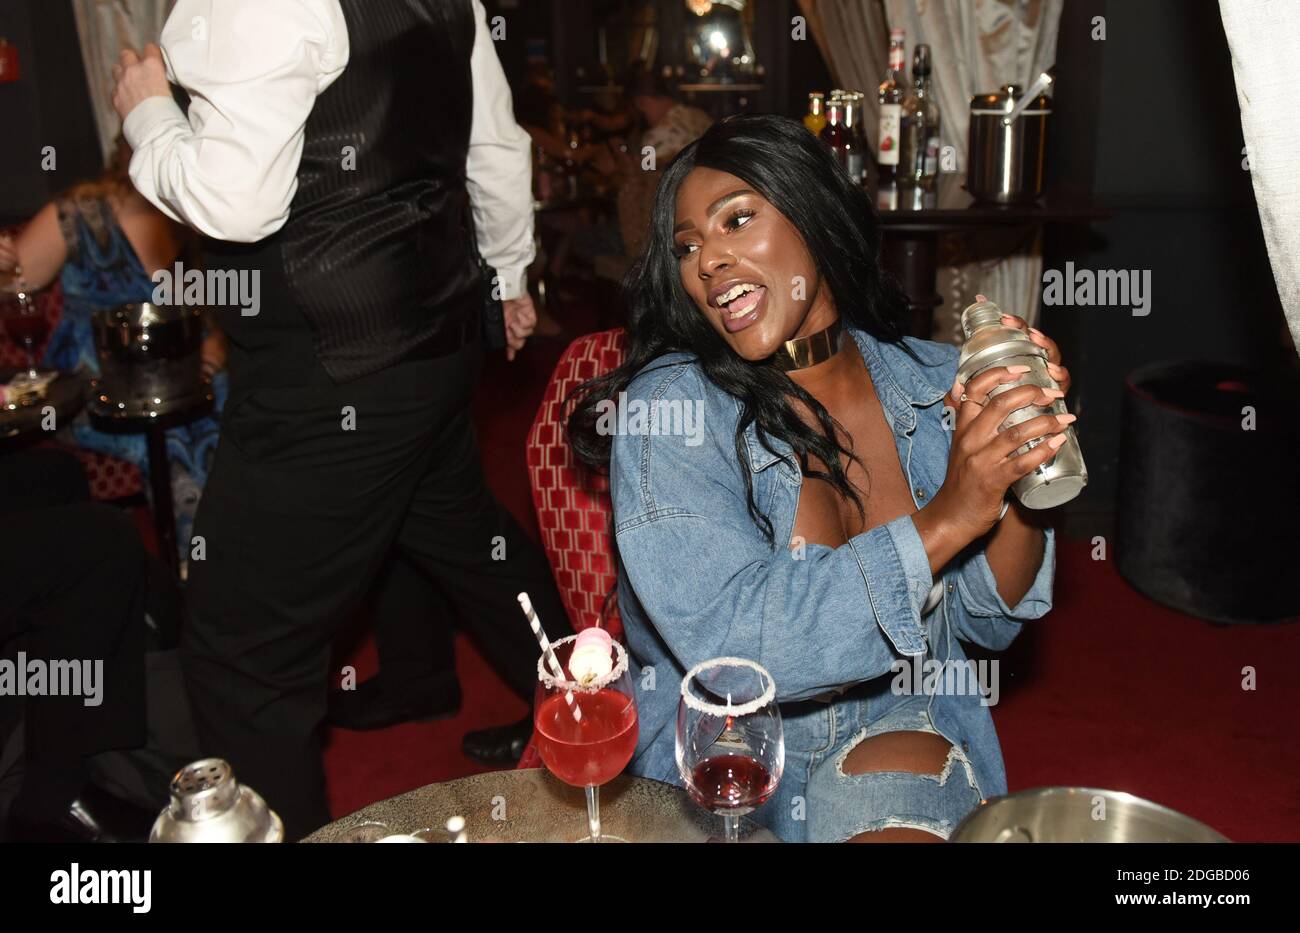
{"points": [[697, 578]]}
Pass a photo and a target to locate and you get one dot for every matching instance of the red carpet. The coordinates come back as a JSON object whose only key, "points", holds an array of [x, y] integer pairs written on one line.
{"points": [[1111, 690], [1115, 691]]}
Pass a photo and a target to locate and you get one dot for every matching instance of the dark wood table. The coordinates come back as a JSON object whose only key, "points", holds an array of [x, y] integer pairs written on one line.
{"points": [[154, 426], [914, 221], [23, 424]]}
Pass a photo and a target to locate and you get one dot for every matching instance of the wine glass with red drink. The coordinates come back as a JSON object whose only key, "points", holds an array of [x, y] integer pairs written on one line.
{"points": [[730, 742], [586, 721], [25, 324]]}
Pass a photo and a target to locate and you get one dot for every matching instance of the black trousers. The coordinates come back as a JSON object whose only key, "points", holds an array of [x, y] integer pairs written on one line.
{"points": [[74, 579], [312, 489], [414, 626]]}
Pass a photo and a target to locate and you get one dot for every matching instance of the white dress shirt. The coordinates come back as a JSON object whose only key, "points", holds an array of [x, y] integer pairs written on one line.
{"points": [[253, 69]]}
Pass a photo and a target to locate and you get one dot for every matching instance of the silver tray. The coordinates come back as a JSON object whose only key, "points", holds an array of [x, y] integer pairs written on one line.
{"points": [[531, 805], [103, 405]]}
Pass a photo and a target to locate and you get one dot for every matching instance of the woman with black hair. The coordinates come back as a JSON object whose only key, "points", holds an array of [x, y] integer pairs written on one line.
{"points": [[831, 520]]}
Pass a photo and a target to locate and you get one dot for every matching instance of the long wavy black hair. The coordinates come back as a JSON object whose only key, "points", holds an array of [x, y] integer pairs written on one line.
{"points": [[799, 176]]}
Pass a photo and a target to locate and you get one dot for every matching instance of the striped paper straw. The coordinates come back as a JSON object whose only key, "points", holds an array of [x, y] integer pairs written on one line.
{"points": [[548, 652]]}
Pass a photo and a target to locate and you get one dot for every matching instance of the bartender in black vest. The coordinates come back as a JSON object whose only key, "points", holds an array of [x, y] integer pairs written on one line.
{"points": [[327, 154]]}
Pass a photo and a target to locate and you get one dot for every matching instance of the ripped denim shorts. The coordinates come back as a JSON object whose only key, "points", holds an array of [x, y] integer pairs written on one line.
{"points": [[842, 805]]}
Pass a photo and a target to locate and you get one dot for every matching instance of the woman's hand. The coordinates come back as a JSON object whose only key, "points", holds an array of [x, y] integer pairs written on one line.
{"points": [[983, 464], [1054, 367]]}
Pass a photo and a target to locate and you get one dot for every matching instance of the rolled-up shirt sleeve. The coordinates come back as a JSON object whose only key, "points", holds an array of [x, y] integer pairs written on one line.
{"points": [[253, 70], [499, 169], [983, 616]]}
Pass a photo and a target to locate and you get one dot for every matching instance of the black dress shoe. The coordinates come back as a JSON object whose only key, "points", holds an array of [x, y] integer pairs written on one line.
{"points": [[374, 705], [94, 816], [500, 746]]}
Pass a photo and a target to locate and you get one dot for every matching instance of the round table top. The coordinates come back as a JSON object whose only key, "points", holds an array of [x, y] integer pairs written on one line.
{"points": [[176, 412], [531, 805], [67, 395]]}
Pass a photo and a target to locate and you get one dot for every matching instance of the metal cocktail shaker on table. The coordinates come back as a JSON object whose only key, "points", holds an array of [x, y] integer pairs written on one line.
{"points": [[990, 343], [209, 805]]}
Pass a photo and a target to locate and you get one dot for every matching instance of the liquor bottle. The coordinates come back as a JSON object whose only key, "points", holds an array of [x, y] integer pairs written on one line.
{"points": [[815, 118], [834, 134], [853, 156], [918, 159], [839, 137], [990, 343], [890, 98]]}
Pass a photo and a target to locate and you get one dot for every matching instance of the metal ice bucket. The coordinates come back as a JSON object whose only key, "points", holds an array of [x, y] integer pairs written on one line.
{"points": [[1006, 143], [149, 359], [1078, 814]]}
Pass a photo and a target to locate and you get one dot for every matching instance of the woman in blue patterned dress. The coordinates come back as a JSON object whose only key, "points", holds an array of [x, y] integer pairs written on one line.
{"points": [[102, 241]]}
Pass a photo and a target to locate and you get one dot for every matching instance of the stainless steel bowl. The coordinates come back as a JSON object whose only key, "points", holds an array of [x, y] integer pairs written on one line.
{"points": [[1078, 814]]}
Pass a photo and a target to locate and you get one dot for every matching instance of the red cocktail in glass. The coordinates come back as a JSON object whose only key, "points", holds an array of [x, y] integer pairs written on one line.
{"points": [[586, 731], [591, 751]]}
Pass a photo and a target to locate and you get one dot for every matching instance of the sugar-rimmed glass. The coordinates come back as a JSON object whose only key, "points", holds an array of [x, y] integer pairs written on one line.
{"points": [[730, 741], [593, 747]]}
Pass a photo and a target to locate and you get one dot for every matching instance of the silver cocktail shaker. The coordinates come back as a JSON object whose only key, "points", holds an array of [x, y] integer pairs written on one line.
{"points": [[209, 805], [991, 343]]}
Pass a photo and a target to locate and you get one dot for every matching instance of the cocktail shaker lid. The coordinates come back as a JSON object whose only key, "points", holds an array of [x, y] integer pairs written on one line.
{"points": [[209, 805], [978, 315]]}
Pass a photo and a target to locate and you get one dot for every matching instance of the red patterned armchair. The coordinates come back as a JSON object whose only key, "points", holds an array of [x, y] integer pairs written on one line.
{"points": [[573, 507]]}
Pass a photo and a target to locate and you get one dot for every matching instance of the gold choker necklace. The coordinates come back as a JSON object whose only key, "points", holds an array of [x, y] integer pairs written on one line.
{"points": [[802, 352]]}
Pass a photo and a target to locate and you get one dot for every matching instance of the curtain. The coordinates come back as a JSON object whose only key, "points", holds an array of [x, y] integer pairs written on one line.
{"points": [[854, 42], [977, 46], [105, 28], [1264, 38]]}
